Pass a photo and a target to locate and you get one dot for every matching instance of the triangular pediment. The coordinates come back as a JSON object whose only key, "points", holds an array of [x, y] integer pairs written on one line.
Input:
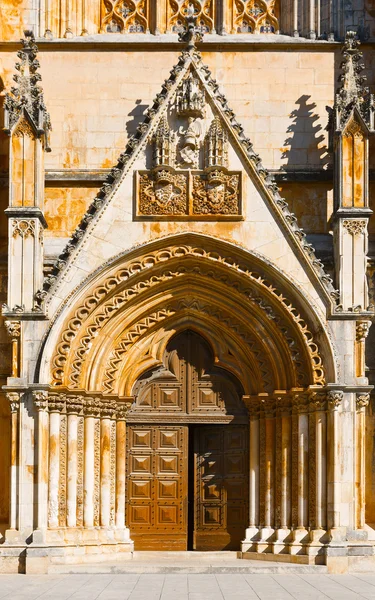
{"points": [[189, 161]]}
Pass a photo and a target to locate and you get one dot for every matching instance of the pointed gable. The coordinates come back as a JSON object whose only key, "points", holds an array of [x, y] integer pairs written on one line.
{"points": [[189, 161]]}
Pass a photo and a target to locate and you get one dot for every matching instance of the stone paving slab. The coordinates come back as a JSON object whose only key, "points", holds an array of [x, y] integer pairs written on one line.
{"points": [[188, 587]]}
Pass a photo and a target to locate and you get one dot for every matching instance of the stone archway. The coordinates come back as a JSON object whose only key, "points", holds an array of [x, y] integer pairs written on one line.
{"points": [[187, 453], [115, 332]]}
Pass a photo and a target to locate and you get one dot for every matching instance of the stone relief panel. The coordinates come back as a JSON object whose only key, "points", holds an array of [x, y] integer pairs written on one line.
{"points": [[204, 11], [189, 176]]}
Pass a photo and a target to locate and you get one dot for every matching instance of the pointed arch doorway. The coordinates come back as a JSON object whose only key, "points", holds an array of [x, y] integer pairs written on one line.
{"points": [[187, 453]]}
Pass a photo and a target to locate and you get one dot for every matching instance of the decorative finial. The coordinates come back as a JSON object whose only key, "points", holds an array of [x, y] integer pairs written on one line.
{"points": [[191, 36], [353, 93], [27, 95]]}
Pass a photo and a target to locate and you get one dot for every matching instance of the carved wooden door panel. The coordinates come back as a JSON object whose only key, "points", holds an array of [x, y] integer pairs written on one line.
{"points": [[157, 486], [221, 486]]}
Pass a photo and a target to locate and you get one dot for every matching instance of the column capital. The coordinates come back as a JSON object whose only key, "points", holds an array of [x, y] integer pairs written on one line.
{"points": [[91, 407], [317, 401], [40, 398], [14, 401], [300, 403], [268, 407], [56, 402], [362, 329], [74, 404], [122, 409], [335, 398], [108, 409], [362, 401], [13, 329], [252, 404]]}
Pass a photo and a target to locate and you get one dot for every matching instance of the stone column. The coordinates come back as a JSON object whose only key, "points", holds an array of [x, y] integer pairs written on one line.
{"points": [[317, 468], [362, 401], [361, 332], [267, 479], [252, 532], [14, 401], [105, 466], [73, 408], [41, 404], [335, 398], [301, 472], [91, 411], [14, 331], [283, 472], [56, 404]]}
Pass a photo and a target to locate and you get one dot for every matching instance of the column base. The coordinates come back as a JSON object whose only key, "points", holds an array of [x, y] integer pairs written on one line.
{"points": [[282, 537], [300, 538], [249, 543], [265, 539]]}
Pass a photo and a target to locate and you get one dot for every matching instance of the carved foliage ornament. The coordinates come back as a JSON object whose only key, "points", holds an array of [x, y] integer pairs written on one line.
{"points": [[335, 398], [13, 329], [362, 329], [362, 400]]}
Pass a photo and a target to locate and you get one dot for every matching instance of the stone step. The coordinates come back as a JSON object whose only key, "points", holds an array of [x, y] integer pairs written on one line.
{"points": [[186, 562]]}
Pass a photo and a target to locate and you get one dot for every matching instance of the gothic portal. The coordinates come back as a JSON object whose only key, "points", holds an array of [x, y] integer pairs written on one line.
{"points": [[187, 266]]}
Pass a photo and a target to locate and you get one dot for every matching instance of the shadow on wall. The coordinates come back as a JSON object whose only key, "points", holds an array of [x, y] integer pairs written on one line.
{"points": [[305, 146], [138, 115]]}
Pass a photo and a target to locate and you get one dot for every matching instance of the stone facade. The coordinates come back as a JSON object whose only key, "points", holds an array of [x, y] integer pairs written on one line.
{"points": [[154, 183]]}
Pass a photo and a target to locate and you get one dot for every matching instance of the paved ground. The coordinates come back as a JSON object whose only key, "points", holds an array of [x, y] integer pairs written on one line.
{"points": [[187, 587]]}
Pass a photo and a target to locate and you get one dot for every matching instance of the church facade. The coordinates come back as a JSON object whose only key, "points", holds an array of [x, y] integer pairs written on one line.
{"points": [[187, 271]]}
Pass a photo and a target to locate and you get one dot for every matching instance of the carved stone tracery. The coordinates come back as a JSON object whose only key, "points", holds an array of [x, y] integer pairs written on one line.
{"points": [[125, 16], [254, 16], [355, 226]]}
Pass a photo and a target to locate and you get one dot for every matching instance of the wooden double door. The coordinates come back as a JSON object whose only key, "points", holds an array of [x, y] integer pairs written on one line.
{"points": [[187, 486]]}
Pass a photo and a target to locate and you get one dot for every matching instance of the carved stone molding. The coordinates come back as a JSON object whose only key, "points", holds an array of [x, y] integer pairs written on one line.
{"points": [[23, 228], [14, 401], [335, 398], [355, 226], [362, 401]]}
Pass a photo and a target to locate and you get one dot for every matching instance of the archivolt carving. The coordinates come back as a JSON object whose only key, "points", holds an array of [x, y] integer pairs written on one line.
{"points": [[159, 256], [118, 300], [222, 319]]}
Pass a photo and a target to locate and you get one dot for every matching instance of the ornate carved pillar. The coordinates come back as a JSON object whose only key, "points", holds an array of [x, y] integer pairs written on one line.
{"points": [[335, 398], [91, 463], [41, 403], [73, 408], [361, 332], [252, 405], [14, 401], [14, 331], [267, 473], [362, 401], [107, 446], [56, 405], [283, 477], [300, 471], [318, 462]]}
